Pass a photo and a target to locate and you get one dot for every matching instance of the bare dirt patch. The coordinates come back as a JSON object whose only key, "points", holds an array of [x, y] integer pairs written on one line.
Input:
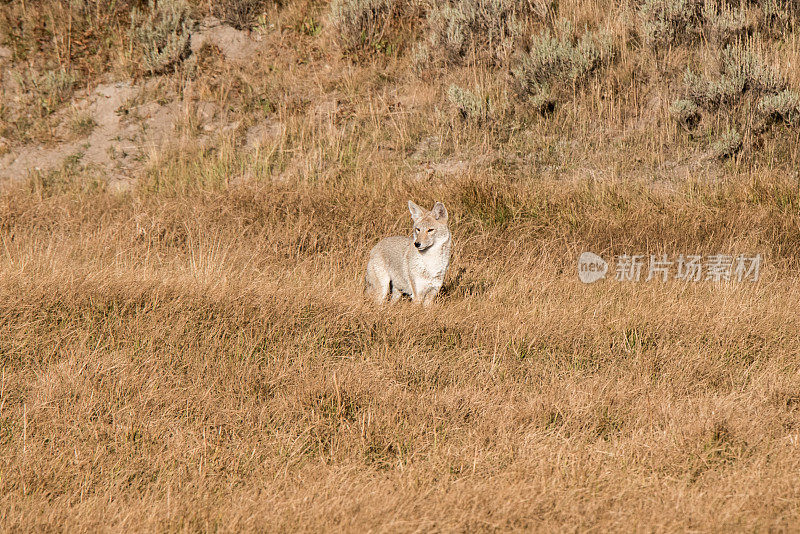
{"points": [[126, 127]]}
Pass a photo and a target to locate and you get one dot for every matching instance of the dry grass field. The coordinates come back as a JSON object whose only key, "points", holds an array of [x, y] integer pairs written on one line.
{"points": [[192, 352]]}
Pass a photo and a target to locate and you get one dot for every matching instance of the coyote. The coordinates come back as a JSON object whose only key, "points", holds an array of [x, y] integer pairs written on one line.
{"points": [[414, 265]]}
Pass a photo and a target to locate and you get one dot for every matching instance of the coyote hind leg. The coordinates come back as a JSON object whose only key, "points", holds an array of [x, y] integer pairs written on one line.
{"points": [[377, 283], [395, 294]]}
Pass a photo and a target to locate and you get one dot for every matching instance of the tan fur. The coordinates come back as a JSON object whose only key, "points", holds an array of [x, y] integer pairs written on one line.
{"points": [[414, 265]]}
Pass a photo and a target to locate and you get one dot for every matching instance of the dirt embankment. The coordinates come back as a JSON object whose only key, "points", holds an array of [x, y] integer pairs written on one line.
{"points": [[126, 122]]}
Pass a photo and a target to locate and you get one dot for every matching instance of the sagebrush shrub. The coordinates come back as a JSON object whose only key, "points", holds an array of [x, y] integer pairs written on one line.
{"points": [[746, 66], [724, 23], [486, 27], [744, 77], [161, 34], [470, 105], [743, 70], [728, 145], [241, 14], [775, 14], [784, 106], [57, 86], [47, 91], [664, 22], [362, 24], [552, 59], [710, 94], [685, 112]]}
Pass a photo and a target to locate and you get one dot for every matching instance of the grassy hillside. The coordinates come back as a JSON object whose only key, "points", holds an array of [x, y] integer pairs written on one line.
{"points": [[192, 352]]}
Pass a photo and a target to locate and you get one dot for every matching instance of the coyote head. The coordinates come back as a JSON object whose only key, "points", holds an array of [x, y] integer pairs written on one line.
{"points": [[430, 227]]}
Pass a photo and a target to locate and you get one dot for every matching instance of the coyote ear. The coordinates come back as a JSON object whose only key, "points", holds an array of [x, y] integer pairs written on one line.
{"points": [[439, 212], [416, 211]]}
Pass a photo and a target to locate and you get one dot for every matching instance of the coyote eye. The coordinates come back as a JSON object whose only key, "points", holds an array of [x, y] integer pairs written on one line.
{"points": [[416, 230]]}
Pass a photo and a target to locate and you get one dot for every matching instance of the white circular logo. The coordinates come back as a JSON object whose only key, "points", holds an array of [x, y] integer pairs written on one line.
{"points": [[591, 267]]}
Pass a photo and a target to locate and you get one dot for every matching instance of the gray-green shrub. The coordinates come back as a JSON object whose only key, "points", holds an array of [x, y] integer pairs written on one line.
{"points": [[48, 90], [784, 106], [487, 27], [470, 105], [728, 145], [685, 112], [362, 24], [241, 14], [743, 70], [161, 34], [724, 23], [552, 60], [664, 22]]}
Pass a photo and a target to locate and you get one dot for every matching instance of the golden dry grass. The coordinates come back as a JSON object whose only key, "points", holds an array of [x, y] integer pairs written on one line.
{"points": [[195, 354], [204, 361]]}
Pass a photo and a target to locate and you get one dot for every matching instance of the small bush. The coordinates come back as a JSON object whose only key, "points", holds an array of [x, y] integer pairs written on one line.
{"points": [[487, 27], [469, 105], [554, 60], [743, 70], [47, 91], [162, 34], [784, 106], [744, 65], [775, 15], [711, 94], [685, 112], [362, 24], [420, 56], [728, 145], [665, 22], [724, 23], [56, 86], [744, 77], [543, 102], [241, 14]]}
